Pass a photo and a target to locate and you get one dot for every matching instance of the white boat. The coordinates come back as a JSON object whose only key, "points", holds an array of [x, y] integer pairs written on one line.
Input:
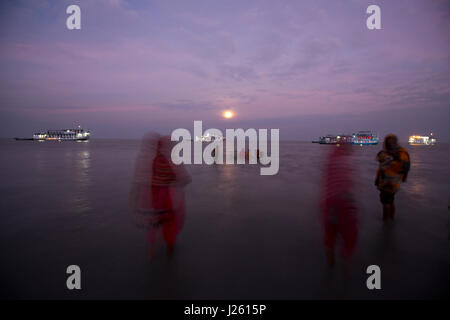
{"points": [[77, 134]]}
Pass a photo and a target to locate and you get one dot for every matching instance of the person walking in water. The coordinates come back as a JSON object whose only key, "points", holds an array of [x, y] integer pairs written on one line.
{"points": [[338, 204], [394, 165], [168, 182], [157, 196]]}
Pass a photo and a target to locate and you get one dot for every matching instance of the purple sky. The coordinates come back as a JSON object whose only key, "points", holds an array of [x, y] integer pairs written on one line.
{"points": [[307, 67]]}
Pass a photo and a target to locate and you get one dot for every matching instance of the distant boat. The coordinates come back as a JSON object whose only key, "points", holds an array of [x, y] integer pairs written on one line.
{"points": [[359, 138], [422, 140], [77, 134], [336, 139], [365, 138]]}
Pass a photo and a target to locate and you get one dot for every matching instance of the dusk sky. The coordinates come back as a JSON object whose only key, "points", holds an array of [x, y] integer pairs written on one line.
{"points": [[307, 67]]}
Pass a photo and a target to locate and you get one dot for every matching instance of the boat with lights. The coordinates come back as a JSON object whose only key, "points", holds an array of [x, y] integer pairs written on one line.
{"points": [[77, 134], [359, 138], [422, 140]]}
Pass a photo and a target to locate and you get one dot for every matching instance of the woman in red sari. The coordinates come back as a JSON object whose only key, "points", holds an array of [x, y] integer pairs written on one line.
{"points": [[168, 181], [157, 196]]}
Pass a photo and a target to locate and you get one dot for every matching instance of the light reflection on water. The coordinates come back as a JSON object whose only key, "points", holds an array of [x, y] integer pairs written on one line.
{"points": [[80, 200]]}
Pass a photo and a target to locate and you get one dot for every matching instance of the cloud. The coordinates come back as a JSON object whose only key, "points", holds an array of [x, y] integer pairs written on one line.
{"points": [[179, 59], [238, 73]]}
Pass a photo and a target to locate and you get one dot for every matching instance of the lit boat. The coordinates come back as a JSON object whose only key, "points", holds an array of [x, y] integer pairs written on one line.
{"points": [[422, 140], [359, 138], [77, 134], [208, 137], [336, 139], [365, 138]]}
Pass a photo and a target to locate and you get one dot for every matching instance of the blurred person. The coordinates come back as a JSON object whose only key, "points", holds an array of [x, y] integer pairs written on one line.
{"points": [[338, 206], [243, 154], [168, 182], [160, 199], [394, 165], [254, 154], [140, 195]]}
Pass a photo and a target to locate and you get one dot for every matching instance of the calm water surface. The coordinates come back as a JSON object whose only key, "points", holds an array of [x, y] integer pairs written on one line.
{"points": [[246, 235]]}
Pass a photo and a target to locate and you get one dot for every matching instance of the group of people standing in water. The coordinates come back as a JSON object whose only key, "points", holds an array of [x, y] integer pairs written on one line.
{"points": [[157, 195]]}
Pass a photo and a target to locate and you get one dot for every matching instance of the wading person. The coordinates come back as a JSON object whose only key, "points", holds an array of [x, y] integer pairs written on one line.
{"points": [[167, 188], [157, 196], [338, 206], [140, 194], [393, 169]]}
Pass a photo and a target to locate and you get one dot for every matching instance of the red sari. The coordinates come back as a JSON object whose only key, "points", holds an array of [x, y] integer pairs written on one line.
{"points": [[167, 201]]}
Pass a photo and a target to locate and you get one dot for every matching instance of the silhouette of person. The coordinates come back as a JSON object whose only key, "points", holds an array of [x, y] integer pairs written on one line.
{"points": [[394, 165]]}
